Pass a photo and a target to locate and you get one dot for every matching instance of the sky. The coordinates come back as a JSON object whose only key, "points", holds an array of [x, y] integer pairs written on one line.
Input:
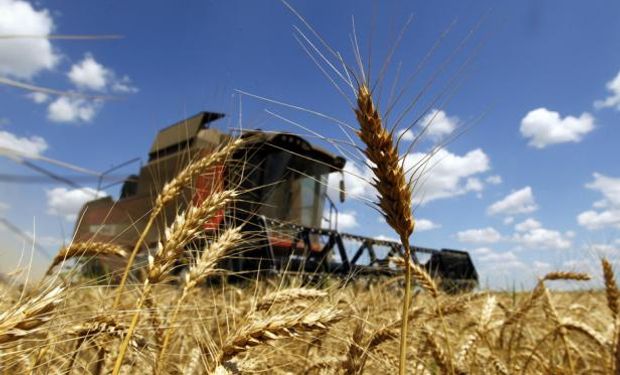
{"points": [[523, 99]]}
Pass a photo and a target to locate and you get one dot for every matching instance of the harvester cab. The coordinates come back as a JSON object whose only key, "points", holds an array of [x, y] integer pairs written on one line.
{"points": [[283, 180]]}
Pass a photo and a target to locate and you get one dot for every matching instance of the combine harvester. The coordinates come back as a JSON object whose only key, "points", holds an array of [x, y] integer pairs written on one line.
{"points": [[284, 179]]}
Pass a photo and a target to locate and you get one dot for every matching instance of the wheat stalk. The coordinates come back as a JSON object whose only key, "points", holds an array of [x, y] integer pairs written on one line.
{"points": [[392, 186]]}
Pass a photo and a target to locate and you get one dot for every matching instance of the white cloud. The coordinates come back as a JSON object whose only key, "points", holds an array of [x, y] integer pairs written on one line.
{"points": [[494, 261], [38, 97], [528, 225], [3, 207], [474, 184], [32, 146], [603, 249], [541, 267], [508, 220], [542, 238], [355, 180], [124, 85], [68, 202], [447, 174], [347, 220], [89, 74], [593, 220], [608, 214], [69, 109], [608, 186], [613, 100], [439, 124], [544, 127], [494, 180], [483, 235], [383, 237], [92, 75], [24, 58], [406, 135], [519, 202], [422, 225]]}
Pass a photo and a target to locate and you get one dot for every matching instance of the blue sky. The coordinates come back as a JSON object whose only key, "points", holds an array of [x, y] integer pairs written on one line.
{"points": [[533, 185]]}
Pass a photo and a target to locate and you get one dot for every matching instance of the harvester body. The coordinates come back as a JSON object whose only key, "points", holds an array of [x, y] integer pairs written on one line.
{"points": [[283, 180]]}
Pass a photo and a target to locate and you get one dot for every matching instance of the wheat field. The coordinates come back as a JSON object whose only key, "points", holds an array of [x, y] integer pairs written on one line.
{"points": [[277, 326], [199, 322]]}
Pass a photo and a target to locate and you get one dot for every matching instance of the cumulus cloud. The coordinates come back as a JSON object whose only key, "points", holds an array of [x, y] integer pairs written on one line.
{"points": [[72, 109], [542, 238], [613, 100], [347, 220], [508, 220], [495, 260], [607, 213], [91, 75], [24, 58], [383, 237], [494, 180], [355, 180], [544, 127], [527, 225], [38, 97], [483, 235], [68, 202], [439, 124], [29, 146], [422, 225], [448, 174], [406, 135], [519, 202]]}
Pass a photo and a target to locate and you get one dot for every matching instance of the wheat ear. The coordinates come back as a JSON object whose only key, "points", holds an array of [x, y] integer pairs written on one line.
{"points": [[197, 273], [81, 249], [24, 319], [276, 327], [611, 287], [394, 190], [289, 295], [170, 191], [184, 229]]}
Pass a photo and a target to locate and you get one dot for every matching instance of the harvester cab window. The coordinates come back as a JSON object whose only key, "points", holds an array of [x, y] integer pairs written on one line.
{"points": [[297, 189]]}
